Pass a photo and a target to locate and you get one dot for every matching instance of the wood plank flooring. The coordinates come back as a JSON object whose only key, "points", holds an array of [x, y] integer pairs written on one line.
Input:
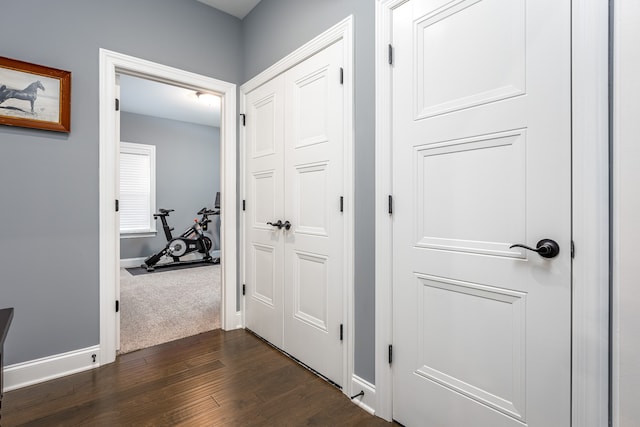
{"points": [[212, 379]]}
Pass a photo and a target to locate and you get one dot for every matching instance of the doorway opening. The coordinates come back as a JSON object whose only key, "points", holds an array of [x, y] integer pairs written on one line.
{"points": [[169, 173], [112, 64]]}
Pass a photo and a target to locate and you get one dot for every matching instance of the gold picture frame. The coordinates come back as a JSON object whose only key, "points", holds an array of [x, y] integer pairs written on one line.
{"points": [[34, 96]]}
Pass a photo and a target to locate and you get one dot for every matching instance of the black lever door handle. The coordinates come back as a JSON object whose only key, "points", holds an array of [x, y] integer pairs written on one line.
{"points": [[278, 224], [286, 225], [546, 248]]}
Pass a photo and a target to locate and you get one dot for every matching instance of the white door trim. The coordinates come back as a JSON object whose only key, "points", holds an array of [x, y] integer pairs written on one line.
{"points": [[590, 222], [341, 31], [590, 211], [625, 210], [110, 64]]}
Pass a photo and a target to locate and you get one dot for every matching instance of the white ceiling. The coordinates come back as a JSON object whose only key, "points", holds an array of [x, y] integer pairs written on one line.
{"points": [[166, 101], [156, 99], [237, 8]]}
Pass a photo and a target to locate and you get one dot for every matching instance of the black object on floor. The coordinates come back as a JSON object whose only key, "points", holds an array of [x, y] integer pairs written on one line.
{"points": [[136, 271], [6, 315]]}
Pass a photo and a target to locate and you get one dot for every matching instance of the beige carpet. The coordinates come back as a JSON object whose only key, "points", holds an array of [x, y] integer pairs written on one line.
{"points": [[167, 305]]}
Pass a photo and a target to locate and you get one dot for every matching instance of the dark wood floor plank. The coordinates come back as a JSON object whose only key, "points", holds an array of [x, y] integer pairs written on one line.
{"points": [[212, 379]]}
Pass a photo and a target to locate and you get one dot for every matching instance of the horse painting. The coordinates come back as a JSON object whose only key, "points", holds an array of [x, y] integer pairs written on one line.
{"points": [[30, 93]]}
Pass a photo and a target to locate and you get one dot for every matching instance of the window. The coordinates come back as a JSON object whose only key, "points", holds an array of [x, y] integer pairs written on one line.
{"points": [[137, 189]]}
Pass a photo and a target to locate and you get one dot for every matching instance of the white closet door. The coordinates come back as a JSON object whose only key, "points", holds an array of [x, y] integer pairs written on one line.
{"points": [[481, 161], [314, 181], [264, 243], [294, 173]]}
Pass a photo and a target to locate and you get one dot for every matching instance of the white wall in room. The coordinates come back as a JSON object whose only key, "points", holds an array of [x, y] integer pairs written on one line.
{"points": [[626, 191]]}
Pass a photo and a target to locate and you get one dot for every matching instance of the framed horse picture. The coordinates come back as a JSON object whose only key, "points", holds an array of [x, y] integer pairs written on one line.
{"points": [[34, 96]]}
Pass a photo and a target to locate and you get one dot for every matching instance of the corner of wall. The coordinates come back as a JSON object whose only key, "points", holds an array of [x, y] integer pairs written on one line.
{"points": [[367, 401]]}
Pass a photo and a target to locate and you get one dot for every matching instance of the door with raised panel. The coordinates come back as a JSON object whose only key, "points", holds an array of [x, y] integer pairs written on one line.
{"points": [[295, 176], [481, 161], [264, 243], [314, 182]]}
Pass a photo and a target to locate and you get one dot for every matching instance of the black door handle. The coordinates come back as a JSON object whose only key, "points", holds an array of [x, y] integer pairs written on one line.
{"points": [[280, 224], [546, 248]]}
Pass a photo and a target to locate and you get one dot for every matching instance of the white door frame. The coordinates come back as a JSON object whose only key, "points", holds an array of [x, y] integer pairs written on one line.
{"points": [[590, 200], [341, 31], [110, 64]]}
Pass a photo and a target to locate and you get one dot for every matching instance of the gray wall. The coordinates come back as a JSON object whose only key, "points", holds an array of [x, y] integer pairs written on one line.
{"points": [[274, 29], [49, 181], [187, 173]]}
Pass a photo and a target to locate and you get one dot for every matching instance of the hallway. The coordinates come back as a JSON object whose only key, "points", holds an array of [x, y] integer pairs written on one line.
{"points": [[213, 379]]}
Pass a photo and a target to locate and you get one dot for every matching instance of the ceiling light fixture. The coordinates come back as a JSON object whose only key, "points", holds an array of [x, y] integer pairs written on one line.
{"points": [[208, 99]]}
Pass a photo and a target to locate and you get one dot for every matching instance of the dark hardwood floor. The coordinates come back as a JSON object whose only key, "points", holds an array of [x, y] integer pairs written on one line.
{"points": [[212, 379]]}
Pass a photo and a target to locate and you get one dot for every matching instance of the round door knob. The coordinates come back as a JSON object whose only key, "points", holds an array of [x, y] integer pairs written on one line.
{"points": [[286, 225], [546, 248]]}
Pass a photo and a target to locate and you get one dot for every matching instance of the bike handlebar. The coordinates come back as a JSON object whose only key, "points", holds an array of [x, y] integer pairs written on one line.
{"points": [[205, 211]]}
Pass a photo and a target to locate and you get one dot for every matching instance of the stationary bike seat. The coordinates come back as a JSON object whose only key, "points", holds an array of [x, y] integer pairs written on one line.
{"points": [[164, 211]]}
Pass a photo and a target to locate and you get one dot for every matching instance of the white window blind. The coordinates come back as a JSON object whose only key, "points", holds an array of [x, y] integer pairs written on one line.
{"points": [[137, 188]]}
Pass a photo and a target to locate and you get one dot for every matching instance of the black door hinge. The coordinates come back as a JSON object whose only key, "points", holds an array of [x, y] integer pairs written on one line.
{"points": [[244, 289], [341, 75], [117, 205], [244, 119], [117, 104], [244, 205], [341, 332], [390, 54], [341, 204], [390, 354], [573, 250], [390, 204], [117, 306]]}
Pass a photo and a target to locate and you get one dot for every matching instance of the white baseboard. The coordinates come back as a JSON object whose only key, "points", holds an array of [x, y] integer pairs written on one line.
{"points": [[368, 401], [236, 323], [50, 367]]}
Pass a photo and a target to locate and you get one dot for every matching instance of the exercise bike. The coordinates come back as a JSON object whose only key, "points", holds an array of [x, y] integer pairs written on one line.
{"points": [[191, 240]]}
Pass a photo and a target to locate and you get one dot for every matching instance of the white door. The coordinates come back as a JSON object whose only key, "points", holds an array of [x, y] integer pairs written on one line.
{"points": [[481, 161], [314, 249], [264, 243], [294, 174]]}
